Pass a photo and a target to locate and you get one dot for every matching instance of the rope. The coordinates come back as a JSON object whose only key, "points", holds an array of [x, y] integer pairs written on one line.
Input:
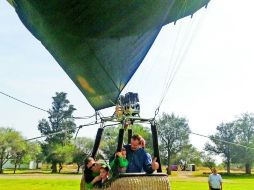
{"points": [[170, 71], [179, 60], [62, 131], [172, 63], [144, 78], [77, 132], [84, 117], [41, 109], [9, 96], [216, 139]]}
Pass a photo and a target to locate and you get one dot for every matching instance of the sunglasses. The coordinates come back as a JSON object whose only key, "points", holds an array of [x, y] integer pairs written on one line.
{"points": [[92, 166]]}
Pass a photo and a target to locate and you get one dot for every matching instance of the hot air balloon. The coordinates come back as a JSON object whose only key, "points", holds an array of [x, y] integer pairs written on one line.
{"points": [[100, 44]]}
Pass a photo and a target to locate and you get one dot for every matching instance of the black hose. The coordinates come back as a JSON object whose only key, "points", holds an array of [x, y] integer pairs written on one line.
{"points": [[156, 145], [129, 135], [97, 142], [120, 140]]}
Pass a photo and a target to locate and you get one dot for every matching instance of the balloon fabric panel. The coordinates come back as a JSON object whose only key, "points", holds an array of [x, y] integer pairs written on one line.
{"points": [[100, 44]]}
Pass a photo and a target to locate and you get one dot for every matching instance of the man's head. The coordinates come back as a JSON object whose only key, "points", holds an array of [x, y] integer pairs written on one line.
{"points": [[214, 171], [91, 164], [135, 142]]}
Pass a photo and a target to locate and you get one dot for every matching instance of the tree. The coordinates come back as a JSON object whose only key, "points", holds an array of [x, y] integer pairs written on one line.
{"points": [[173, 132], [18, 155], [109, 141], [64, 154], [245, 136], [35, 152], [58, 154], [226, 132], [60, 119], [189, 155], [82, 149], [11, 145], [207, 161]]}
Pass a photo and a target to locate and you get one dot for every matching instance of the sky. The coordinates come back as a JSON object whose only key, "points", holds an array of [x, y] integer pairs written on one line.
{"points": [[214, 82]]}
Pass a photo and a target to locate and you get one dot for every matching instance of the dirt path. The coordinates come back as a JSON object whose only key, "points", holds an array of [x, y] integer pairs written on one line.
{"points": [[186, 176]]}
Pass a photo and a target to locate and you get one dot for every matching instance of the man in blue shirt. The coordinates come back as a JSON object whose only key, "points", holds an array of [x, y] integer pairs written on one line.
{"points": [[138, 159]]}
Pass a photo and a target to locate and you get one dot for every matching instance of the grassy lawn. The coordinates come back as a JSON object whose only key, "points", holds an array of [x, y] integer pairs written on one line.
{"points": [[229, 184], [178, 181], [198, 181], [39, 182]]}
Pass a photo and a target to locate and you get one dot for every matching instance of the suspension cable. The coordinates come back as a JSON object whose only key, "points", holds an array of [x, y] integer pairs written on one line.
{"points": [[61, 131], [41, 109], [216, 139], [172, 64], [23, 102], [179, 60]]}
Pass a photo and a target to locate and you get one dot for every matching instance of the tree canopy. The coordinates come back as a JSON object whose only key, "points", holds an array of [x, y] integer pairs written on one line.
{"points": [[226, 132], [12, 146], [60, 120], [173, 132]]}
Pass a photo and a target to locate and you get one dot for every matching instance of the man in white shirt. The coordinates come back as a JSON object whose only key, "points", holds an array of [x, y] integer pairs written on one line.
{"points": [[215, 180]]}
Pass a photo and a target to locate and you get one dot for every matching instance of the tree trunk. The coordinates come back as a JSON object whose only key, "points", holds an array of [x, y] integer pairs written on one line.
{"points": [[247, 168], [78, 169], [228, 155], [169, 167], [53, 167], [15, 167], [228, 167], [37, 165], [1, 167], [60, 167], [1, 162]]}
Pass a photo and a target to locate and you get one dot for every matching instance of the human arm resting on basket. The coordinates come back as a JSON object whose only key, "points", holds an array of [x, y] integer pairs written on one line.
{"points": [[150, 164]]}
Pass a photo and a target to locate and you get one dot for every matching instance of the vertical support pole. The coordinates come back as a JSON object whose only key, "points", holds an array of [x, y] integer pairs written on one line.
{"points": [[129, 135], [120, 140], [96, 114], [97, 142], [155, 144], [115, 171]]}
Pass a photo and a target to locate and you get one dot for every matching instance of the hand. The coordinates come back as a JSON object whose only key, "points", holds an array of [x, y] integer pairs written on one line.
{"points": [[155, 165], [97, 178], [142, 143], [118, 154]]}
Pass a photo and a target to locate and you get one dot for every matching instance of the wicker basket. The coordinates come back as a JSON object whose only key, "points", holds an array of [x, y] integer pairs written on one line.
{"points": [[140, 182]]}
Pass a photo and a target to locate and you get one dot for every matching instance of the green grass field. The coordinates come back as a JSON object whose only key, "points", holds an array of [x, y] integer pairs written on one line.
{"points": [[197, 181], [178, 181], [39, 182]]}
